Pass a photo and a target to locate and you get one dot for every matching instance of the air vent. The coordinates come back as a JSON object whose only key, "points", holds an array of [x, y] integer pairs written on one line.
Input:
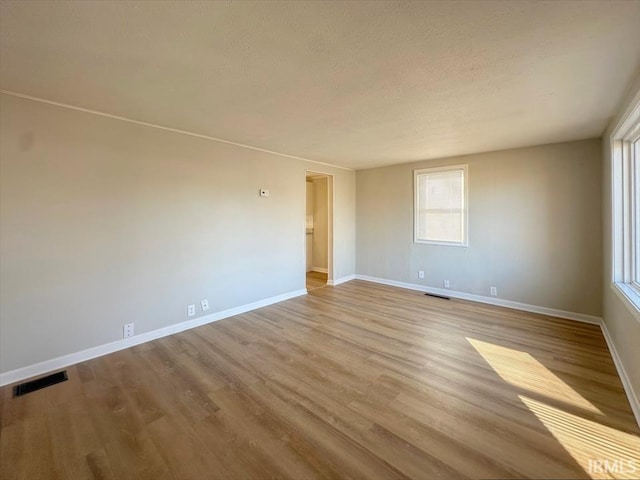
{"points": [[33, 385], [437, 296]]}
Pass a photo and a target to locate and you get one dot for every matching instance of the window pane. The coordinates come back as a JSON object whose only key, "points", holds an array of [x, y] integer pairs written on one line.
{"points": [[440, 206]]}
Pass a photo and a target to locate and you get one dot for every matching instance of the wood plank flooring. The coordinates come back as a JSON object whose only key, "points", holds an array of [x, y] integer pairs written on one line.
{"points": [[355, 381], [316, 280]]}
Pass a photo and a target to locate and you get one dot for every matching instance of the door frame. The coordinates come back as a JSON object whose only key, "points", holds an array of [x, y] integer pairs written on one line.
{"points": [[330, 223]]}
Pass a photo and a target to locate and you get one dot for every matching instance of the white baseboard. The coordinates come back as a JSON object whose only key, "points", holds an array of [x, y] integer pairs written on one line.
{"points": [[580, 317], [77, 357], [340, 280], [622, 373], [73, 358], [319, 270]]}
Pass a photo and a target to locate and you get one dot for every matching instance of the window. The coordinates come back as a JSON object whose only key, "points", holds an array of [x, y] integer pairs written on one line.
{"points": [[440, 207], [625, 143]]}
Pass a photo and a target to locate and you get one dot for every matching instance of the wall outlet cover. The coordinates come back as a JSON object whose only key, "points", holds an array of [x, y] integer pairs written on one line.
{"points": [[205, 305], [191, 310], [127, 330], [420, 273]]}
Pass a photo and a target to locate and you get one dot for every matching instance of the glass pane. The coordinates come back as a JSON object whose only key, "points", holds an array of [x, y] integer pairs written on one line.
{"points": [[441, 207]]}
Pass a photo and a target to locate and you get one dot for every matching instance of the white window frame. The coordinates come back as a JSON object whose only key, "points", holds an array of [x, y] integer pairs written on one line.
{"points": [[465, 213], [625, 201]]}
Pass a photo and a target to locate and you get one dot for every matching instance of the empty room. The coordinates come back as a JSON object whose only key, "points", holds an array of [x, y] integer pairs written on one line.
{"points": [[319, 239]]}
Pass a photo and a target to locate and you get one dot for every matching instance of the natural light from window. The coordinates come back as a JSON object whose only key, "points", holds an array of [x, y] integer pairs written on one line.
{"points": [[602, 451], [625, 186], [521, 370], [441, 205]]}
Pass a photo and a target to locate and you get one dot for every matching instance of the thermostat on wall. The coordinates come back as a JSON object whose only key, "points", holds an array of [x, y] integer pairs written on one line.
{"points": [[264, 193]]}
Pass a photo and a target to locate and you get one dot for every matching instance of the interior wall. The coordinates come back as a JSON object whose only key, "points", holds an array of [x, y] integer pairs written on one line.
{"points": [[320, 223], [106, 222], [622, 325], [535, 227]]}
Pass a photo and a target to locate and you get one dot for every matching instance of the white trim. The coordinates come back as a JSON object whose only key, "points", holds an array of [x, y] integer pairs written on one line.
{"points": [[331, 209], [73, 358], [319, 270], [629, 298], [630, 115], [464, 168], [340, 280], [625, 210], [634, 402], [581, 317], [162, 127]]}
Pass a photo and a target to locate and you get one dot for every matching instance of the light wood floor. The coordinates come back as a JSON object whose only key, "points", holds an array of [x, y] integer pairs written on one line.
{"points": [[316, 280], [354, 381]]}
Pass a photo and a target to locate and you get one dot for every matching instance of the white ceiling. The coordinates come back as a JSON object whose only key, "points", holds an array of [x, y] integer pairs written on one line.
{"points": [[355, 84]]}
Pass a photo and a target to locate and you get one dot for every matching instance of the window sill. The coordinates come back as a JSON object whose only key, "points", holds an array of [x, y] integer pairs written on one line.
{"points": [[630, 298], [446, 244]]}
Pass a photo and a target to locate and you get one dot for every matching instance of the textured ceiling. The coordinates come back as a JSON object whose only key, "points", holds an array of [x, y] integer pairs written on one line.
{"points": [[348, 83]]}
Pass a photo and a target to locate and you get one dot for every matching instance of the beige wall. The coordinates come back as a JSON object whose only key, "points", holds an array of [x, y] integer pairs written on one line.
{"points": [[535, 227], [320, 222], [105, 222], [622, 326]]}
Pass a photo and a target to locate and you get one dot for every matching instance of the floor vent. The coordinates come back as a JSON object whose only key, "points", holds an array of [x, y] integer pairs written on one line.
{"points": [[33, 385], [437, 296]]}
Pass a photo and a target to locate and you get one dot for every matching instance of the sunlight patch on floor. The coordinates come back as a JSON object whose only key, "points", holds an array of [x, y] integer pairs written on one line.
{"points": [[522, 370], [602, 451]]}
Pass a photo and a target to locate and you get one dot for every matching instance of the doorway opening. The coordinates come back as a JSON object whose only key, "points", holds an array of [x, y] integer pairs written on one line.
{"points": [[319, 230]]}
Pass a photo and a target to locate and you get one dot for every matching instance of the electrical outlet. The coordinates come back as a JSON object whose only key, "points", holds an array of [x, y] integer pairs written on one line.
{"points": [[205, 305], [191, 310], [420, 273], [127, 330], [494, 291], [446, 283], [263, 192]]}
